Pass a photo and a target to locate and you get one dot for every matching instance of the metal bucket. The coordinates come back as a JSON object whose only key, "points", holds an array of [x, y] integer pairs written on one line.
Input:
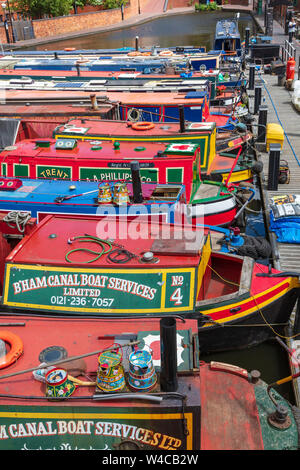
{"points": [[58, 385], [110, 374], [121, 196], [104, 194], [142, 375]]}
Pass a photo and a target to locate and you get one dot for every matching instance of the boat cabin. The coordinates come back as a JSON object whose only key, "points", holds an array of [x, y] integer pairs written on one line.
{"points": [[69, 159], [227, 37], [141, 268]]}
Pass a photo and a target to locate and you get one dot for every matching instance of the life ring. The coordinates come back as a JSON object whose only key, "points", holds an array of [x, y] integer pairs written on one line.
{"points": [[166, 53], [133, 53], [16, 348], [146, 53], [143, 126], [69, 49]]}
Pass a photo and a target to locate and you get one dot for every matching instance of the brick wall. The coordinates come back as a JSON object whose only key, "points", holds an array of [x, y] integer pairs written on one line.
{"points": [[84, 21]]}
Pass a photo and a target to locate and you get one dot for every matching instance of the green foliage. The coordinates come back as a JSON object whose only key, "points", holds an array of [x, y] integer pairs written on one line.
{"points": [[110, 4], [39, 8], [212, 6]]}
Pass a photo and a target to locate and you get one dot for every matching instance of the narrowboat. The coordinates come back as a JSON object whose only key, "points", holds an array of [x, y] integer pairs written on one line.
{"points": [[67, 159], [156, 395], [136, 63], [110, 267], [216, 149], [152, 106], [178, 86], [125, 78], [227, 38], [42, 197]]}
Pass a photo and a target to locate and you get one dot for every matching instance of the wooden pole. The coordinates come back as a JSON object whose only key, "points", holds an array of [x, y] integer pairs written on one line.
{"points": [[62, 361]]}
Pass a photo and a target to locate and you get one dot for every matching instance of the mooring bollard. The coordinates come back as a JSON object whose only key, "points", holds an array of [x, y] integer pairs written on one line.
{"points": [[274, 164], [136, 43], [262, 123], [257, 98], [247, 40], [251, 77]]}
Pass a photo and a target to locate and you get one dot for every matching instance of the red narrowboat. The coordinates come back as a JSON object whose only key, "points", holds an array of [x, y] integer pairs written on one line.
{"points": [[69, 159], [104, 267]]}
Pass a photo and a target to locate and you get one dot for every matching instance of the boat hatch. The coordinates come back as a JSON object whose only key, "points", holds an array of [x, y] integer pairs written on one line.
{"points": [[74, 129], [21, 81], [166, 193], [95, 82], [69, 84], [129, 75]]}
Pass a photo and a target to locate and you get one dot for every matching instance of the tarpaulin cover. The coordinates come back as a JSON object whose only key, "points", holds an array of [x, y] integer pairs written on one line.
{"points": [[285, 218]]}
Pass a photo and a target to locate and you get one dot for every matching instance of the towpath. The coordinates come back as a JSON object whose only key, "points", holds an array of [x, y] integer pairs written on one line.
{"points": [[281, 111]]}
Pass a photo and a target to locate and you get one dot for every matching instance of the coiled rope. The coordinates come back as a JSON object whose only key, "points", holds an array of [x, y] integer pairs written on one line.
{"points": [[17, 219]]}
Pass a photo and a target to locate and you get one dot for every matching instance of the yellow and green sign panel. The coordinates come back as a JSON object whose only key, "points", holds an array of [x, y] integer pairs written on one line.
{"points": [[94, 290], [90, 428]]}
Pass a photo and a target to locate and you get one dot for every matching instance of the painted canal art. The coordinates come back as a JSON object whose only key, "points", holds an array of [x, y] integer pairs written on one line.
{"points": [[82, 290]]}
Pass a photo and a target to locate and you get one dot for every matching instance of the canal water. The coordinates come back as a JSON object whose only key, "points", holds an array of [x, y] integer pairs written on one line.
{"points": [[195, 29]]}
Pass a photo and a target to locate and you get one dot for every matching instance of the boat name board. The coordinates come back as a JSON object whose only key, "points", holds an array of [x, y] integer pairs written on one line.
{"points": [[44, 429], [113, 291]]}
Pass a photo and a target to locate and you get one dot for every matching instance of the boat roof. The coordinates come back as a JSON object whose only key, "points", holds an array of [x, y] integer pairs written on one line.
{"points": [[227, 28], [131, 99], [97, 150], [48, 243], [77, 337], [85, 127], [92, 74], [32, 191]]}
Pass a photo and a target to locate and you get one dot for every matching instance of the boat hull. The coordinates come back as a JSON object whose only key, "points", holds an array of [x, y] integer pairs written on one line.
{"points": [[250, 330]]}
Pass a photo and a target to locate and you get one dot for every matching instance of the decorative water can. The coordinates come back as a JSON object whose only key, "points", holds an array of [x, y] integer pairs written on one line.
{"points": [[142, 375], [58, 385], [121, 196], [110, 374], [104, 194]]}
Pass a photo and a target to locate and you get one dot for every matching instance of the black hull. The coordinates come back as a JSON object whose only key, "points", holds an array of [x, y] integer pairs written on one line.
{"points": [[241, 334]]}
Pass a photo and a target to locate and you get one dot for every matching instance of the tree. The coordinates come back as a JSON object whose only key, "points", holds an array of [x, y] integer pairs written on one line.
{"points": [[39, 8]]}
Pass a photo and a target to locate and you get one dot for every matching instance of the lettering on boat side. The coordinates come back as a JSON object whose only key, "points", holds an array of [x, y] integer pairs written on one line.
{"points": [[43, 171], [83, 290], [111, 174], [127, 164], [22, 430]]}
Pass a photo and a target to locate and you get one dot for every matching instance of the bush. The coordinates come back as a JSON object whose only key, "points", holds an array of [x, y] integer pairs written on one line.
{"points": [[210, 7]]}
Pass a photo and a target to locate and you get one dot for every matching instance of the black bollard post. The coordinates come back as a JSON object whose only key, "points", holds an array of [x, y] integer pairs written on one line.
{"points": [[274, 164], [136, 43], [262, 123], [247, 40], [136, 182], [251, 76], [168, 355], [257, 98], [181, 119]]}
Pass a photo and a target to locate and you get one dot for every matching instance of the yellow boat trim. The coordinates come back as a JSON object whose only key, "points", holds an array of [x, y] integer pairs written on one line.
{"points": [[139, 416], [91, 271], [251, 310]]}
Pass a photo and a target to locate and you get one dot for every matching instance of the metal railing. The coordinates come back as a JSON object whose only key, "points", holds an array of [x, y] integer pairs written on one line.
{"points": [[287, 51]]}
